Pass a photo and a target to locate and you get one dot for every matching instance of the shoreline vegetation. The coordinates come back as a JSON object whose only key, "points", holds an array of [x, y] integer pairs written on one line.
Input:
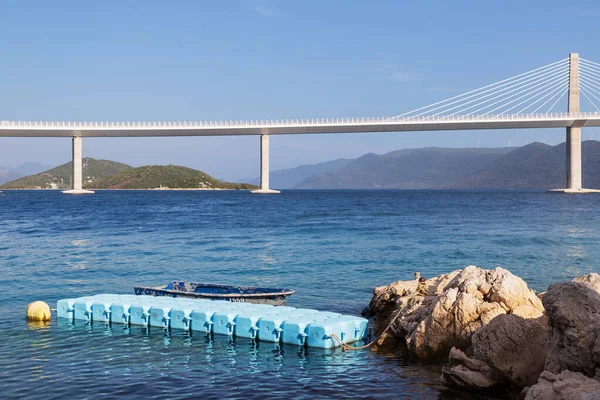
{"points": [[494, 334]]}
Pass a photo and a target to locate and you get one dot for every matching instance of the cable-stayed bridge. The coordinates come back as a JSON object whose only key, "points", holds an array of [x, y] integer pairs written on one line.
{"points": [[547, 97]]}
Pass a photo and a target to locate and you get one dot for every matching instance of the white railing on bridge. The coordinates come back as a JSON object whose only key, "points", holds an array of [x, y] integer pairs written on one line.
{"points": [[71, 125]]}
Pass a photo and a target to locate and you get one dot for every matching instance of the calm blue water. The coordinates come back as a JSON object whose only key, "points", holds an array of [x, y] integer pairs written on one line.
{"points": [[331, 247]]}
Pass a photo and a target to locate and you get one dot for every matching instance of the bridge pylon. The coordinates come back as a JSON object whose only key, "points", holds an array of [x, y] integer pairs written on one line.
{"points": [[574, 168]]}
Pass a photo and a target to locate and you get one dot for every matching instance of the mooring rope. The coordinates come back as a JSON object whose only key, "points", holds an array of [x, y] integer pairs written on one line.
{"points": [[348, 347]]}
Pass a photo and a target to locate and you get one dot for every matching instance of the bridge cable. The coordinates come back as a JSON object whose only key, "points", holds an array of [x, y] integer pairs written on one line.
{"points": [[590, 82], [545, 75], [492, 86], [593, 83], [526, 88], [590, 87], [590, 91], [590, 100], [496, 85], [584, 71], [559, 93], [589, 62], [555, 89], [557, 100], [500, 93], [545, 97], [526, 100]]}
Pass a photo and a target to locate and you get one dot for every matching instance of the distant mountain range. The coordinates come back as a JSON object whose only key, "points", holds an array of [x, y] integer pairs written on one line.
{"points": [[28, 168], [405, 169], [291, 177], [104, 174], [534, 166]]}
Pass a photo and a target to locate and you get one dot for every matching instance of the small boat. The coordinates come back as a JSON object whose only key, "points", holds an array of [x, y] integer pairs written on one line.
{"points": [[243, 294]]}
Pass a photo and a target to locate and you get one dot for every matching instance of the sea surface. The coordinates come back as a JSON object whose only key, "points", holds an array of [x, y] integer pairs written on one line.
{"points": [[332, 247]]}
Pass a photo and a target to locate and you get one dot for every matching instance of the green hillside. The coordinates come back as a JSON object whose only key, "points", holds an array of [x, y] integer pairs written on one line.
{"points": [[166, 177], [60, 177]]}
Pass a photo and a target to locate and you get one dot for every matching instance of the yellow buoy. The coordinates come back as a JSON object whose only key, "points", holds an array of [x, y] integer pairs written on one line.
{"points": [[38, 311]]}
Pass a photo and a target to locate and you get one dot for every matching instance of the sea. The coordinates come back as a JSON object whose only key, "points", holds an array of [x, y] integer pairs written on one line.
{"points": [[331, 247]]}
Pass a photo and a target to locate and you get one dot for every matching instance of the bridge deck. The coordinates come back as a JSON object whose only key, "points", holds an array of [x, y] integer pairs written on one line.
{"points": [[296, 126]]}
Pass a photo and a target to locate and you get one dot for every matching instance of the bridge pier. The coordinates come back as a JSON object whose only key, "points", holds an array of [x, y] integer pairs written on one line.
{"points": [[77, 163], [574, 163], [264, 167]]}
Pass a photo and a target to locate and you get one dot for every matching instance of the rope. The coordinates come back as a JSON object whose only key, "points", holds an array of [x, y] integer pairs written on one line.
{"points": [[346, 346]]}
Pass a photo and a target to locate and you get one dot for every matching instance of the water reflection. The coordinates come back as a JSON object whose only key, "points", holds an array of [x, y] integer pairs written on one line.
{"points": [[145, 352], [36, 325], [37, 351], [576, 251]]}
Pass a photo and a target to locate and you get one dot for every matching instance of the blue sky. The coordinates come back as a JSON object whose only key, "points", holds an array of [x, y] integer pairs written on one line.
{"points": [[201, 60]]}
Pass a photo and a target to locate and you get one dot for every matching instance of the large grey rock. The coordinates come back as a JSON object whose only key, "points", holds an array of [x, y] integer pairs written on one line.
{"points": [[515, 347], [573, 310], [567, 385], [465, 372], [453, 308], [510, 351]]}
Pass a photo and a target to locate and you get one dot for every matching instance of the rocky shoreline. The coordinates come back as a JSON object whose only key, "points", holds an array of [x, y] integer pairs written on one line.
{"points": [[494, 333]]}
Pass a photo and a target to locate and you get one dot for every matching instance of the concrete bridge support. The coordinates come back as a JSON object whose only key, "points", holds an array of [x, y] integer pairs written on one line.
{"points": [[573, 179], [264, 167], [77, 177], [574, 163]]}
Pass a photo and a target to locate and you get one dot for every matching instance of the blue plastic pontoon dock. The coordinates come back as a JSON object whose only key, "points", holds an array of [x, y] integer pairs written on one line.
{"points": [[299, 326]]}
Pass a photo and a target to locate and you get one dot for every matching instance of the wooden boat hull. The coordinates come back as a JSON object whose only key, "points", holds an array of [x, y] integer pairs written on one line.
{"points": [[242, 294]]}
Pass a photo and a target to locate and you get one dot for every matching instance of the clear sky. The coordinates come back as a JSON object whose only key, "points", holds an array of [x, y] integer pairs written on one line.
{"points": [[208, 60]]}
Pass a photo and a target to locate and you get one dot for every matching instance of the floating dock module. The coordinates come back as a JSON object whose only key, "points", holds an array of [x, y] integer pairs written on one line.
{"points": [[299, 326]]}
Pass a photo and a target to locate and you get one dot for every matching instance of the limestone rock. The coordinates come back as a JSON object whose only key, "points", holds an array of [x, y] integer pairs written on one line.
{"points": [[592, 280], [510, 351], [573, 310], [566, 385], [453, 308], [527, 311]]}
